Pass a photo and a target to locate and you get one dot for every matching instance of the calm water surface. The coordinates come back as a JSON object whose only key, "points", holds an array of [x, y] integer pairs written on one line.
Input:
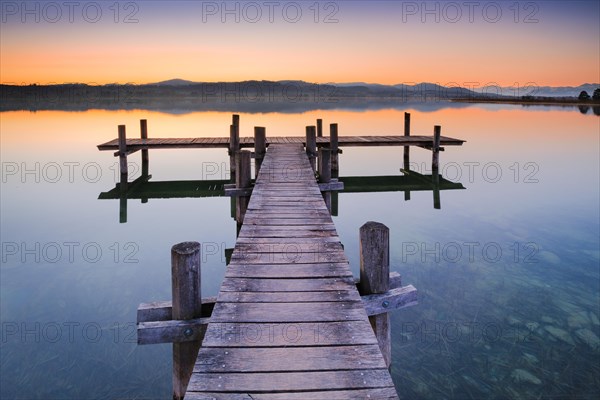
{"points": [[507, 270]]}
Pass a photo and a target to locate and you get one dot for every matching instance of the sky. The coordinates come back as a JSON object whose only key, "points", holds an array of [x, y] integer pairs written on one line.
{"points": [[466, 43]]}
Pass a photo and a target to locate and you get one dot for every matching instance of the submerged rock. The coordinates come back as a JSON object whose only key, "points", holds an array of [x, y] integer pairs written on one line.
{"points": [[549, 320], [532, 326], [530, 358], [522, 376], [588, 337], [578, 320], [559, 334], [594, 318]]}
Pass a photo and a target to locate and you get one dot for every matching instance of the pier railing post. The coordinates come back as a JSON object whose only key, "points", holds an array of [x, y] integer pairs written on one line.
{"points": [[374, 278], [187, 304], [242, 181], [319, 127], [406, 134], [333, 145], [234, 144], [324, 165], [123, 153], [145, 158], [123, 181], [311, 145], [435, 160], [260, 147], [406, 151]]}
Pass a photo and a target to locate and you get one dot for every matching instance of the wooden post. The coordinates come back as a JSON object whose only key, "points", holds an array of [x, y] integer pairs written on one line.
{"points": [[407, 151], [311, 145], [260, 147], [123, 182], [327, 198], [333, 145], [374, 278], [324, 165], [145, 158], [334, 203], [319, 127], [242, 181], [123, 153], [187, 304], [435, 160], [123, 202], [406, 148], [234, 147], [435, 176]]}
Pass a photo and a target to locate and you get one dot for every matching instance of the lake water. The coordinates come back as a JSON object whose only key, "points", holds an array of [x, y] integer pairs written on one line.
{"points": [[507, 270]]}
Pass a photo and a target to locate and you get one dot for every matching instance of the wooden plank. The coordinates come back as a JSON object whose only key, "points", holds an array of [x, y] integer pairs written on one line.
{"points": [[286, 232], [266, 221], [287, 285], [393, 299], [290, 271], [162, 310], [288, 312], [173, 331], [388, 393], [292, 255], [277, 359], [298, 334], [291, 381], [284, 297]]}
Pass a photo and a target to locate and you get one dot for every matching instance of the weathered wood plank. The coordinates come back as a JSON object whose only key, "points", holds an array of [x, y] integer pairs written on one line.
{"points": [[288, 334], [277, 359], [388, 393], [291, 381], [288, 312], [287, 285], [162, 310], [286, 254], [289, 271], [173, 331], [284, 297], [393, 299]]}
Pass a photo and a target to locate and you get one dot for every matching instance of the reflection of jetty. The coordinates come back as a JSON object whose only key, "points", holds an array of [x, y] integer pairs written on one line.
{"points": [[290, 321], [410, 182]]}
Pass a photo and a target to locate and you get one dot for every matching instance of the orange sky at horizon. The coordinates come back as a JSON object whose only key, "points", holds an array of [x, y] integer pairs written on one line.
{"points": [[375, 42]]}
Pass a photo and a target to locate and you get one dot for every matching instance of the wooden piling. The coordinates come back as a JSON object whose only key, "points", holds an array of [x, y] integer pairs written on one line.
{"points": [[311, 145], [374, 278], [319, 127], [333, 145], [243, 181], [260, 148], [234, 143], [435, 160], [187, 304], [324, 165], [435, 176], [406, 150], [123, 153], [145, 158]]}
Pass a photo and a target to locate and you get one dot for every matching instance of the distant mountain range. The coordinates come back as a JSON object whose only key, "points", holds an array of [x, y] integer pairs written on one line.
{"points": [[426, 87], [282, 96]]}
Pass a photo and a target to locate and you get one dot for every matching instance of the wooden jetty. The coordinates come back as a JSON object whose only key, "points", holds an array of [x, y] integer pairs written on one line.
{"points": [[313, 140], [283, 329], [290, 321]]}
